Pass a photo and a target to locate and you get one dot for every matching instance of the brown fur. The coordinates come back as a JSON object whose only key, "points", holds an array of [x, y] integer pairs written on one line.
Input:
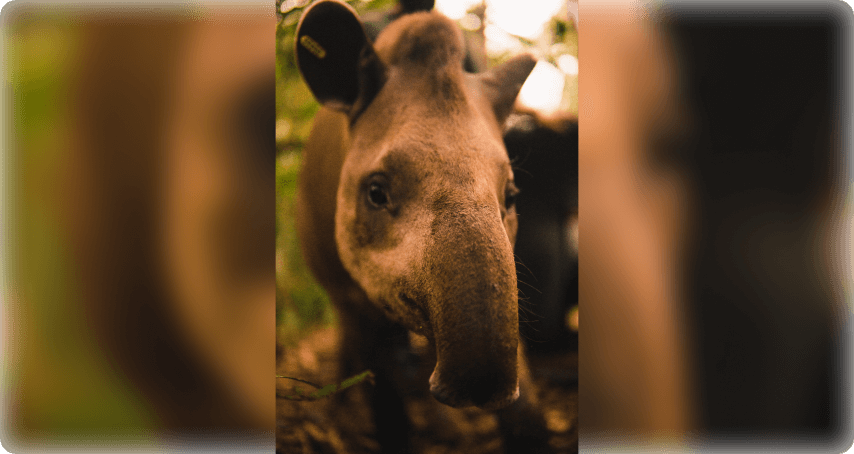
{"points": [[424, 40]]}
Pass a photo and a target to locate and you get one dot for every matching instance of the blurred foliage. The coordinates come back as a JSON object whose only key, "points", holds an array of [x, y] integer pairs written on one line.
{"points": [[61, 385], [848, 222], [301, 304]]}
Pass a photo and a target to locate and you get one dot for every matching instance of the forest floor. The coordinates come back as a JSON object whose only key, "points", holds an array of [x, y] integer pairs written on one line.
{"points": [[310, 427]]}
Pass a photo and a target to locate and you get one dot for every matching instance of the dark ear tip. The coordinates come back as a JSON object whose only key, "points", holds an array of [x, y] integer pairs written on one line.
{"points": [[528, 58], [411, 6], [325, 6], [319, 12], [526, 62], [502, 83], [517, 69]]}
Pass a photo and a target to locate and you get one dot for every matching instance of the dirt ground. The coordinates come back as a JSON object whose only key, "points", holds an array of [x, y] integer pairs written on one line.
{"points": [[311, 427]]}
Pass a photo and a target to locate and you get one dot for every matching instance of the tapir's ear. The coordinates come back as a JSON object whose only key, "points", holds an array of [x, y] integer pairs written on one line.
{"points": [[411, 6], [336, 58], [501, 84]]}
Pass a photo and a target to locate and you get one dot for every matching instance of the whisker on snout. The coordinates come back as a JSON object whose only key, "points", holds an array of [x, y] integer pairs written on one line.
{"points": [[519, 263], [528, 285], [518, 170], [526, 311], [524, 299]]}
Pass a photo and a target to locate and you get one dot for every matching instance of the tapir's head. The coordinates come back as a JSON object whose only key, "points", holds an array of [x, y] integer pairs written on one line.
{"points": [[425, 217]]}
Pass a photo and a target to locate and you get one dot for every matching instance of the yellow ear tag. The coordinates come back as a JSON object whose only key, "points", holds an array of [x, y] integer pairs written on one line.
{"points": [[312, 46]]}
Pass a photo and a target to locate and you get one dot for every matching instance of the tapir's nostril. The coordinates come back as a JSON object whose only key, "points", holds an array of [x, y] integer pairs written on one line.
{"points": [[501, 401], [483, 392]]}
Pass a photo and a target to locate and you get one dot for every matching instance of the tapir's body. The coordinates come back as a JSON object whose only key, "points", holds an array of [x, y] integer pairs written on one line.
{"points": [[546, 157], [406, 213]]}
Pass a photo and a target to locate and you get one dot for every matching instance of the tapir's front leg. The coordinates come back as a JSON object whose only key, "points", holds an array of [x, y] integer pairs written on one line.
{"points": [[522, 424], [370, 342]]}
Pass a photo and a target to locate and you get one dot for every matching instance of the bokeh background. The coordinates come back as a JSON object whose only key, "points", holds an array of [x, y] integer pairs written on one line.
{"points": [[138, 227], [714, 181]]}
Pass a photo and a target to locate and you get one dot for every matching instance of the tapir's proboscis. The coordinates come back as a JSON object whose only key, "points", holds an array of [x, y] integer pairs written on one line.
{"points": [[406, 213]]}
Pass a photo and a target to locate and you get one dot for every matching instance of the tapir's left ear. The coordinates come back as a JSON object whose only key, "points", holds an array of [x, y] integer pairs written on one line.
{"points": [[336, 58], [501, 84]]}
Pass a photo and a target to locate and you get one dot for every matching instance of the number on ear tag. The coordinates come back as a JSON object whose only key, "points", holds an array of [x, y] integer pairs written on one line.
{"points": [[312, 46]]}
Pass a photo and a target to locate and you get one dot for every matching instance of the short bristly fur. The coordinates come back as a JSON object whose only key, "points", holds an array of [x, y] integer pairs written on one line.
{"points": [[404, 213]]}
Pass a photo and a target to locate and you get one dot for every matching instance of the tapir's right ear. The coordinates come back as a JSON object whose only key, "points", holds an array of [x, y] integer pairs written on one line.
{"points": [[502, 83], [336, 58]]}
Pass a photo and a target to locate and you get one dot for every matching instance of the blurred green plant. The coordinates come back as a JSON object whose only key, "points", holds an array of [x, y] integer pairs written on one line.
{"points": [[46, 327], [328, 390]]}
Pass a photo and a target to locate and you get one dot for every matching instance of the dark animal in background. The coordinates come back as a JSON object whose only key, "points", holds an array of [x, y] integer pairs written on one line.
{"points": [[545, 161], [406, 214]]}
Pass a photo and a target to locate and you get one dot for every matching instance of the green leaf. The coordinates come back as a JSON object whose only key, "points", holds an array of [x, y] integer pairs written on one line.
{"points": [[325, 391], [356, 379]]}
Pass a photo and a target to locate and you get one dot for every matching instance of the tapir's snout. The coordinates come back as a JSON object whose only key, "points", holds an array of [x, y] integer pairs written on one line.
{"points": [[474, 311]]}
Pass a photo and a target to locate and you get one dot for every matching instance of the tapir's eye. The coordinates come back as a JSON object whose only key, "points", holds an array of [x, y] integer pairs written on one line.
{"points": [[377, 195], [510, 194]]}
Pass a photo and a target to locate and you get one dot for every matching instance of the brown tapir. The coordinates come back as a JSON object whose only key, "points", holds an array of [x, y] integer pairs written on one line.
{"points": [[406, 213]]}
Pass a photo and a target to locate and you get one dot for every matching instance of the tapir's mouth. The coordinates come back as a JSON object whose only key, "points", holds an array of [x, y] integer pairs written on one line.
{"points": [[417, 313]]}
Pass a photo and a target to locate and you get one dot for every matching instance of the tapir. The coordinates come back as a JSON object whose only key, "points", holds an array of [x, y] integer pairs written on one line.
{"points": [[406, 214], [545, 155]]}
